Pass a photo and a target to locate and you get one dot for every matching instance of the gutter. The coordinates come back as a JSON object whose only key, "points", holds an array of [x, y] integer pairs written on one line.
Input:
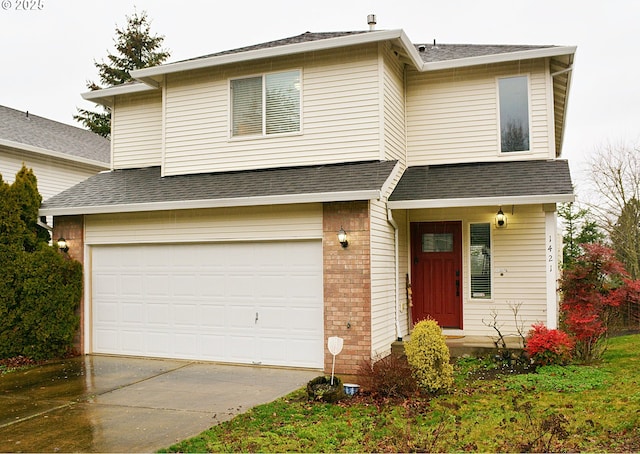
{"points": [[478, 202], [396, 255], [499, 58]]}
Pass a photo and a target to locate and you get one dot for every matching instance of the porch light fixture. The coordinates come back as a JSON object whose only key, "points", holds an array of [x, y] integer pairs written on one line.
{"points": [[342, 237], [62, 245], [501, 219]]}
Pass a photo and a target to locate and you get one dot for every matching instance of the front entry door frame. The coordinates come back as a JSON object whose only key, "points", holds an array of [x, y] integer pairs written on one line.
{"points": [[436, 272]]}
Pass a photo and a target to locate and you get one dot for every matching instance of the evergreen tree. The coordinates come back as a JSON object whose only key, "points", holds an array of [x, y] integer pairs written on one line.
{"points": [[136, 48], [40, 288], [579, 229]]}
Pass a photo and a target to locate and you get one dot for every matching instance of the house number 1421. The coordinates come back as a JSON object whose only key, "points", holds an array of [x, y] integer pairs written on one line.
{"points": [[550, 249]]}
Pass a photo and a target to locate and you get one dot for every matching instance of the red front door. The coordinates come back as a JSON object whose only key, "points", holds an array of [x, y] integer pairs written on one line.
{"points": [[436, 272]]}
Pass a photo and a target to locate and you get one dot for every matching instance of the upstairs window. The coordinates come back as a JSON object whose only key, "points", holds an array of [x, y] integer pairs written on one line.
{"points": [[480, 261], [266, 105], [513, 93]]}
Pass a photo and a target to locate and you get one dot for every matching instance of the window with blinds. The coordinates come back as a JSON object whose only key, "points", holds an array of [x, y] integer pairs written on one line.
{"points": [[480, 260], [266, 105]]}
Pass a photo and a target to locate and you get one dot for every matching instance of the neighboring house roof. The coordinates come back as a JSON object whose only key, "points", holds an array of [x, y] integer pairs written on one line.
{"points": [[146, 190], [24, 131], [483, 183]]}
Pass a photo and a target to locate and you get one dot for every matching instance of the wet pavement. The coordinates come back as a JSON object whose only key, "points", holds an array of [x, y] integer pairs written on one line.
{"points": [[116, 404]]}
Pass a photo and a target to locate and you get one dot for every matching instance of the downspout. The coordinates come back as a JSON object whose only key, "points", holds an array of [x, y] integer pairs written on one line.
{"points": [[394, 224]]}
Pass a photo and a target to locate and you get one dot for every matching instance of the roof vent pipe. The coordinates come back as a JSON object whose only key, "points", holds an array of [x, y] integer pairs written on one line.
{"points": [[371, 20]]}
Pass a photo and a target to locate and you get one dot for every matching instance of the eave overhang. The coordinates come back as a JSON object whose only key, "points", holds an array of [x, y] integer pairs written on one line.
{"points": [[133, 190], [481, 201], [215, 203], [546, 52]]}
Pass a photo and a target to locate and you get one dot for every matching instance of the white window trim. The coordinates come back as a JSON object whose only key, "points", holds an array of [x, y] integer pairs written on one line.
{"points": [[264, 134], [499, 129]]}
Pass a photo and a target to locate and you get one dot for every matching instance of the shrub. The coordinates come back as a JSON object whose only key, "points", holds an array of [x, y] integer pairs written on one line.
{"points": [[548, 346], [40, 289], [38, 319], [592, 289], [428, 356], [390, 376]]}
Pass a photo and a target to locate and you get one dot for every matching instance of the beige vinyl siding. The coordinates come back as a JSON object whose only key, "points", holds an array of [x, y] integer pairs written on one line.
{"points": [[402, 219], [452, 115], [518, 266], [382, 280], [137, 130], [340, 115], [53, 175], [394, 114], [215, 224]]}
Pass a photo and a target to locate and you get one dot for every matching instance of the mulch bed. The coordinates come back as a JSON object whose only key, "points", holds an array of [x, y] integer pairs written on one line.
{"points": [[18, 361]]}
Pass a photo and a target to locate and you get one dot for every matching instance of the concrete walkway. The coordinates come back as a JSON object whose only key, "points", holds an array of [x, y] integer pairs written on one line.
{"points": [[115, 404]]}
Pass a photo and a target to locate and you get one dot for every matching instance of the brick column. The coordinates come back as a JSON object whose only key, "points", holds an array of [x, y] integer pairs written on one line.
{"points": [[347, 283], [71, 228]]}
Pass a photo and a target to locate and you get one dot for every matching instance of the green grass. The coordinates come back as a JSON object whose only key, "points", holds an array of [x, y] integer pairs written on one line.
{"points": [[574, 408]]}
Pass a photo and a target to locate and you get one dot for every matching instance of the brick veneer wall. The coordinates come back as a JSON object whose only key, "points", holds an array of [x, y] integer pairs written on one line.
{"points": [[71, 228], [347, 283]]}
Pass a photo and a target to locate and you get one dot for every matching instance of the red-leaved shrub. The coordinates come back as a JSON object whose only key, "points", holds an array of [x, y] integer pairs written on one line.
{"points": [[548, 346], [592, 289], [390, 376]]}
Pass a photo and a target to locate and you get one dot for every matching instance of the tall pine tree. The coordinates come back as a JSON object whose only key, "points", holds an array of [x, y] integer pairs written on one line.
{"points": [[579, 229], [136, 48]]}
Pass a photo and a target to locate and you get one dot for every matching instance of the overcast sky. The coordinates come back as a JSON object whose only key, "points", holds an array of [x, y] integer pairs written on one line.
{"points": [[46, 55]]}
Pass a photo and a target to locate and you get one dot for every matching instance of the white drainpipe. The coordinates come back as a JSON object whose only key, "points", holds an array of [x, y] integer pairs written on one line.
{"points": [[397, 270]]}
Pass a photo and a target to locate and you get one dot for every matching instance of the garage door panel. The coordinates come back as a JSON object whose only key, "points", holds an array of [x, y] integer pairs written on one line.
{"points": [[133, 313], [307, 319], [212, 316], [133, 342], [240, 349], [200, 301], [131, 284], [106, 340], [155, 284]]}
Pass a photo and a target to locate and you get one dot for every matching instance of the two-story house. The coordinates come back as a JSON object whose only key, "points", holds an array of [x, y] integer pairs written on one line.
{"points": [[264, 199]]}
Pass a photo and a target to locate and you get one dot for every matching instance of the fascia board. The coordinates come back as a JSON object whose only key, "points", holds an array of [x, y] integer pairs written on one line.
{"points": [[499, 58], [216, 203], [153, 74], [393, 177], [483, 201], [53, 154], [411, 50], [105, 95]]}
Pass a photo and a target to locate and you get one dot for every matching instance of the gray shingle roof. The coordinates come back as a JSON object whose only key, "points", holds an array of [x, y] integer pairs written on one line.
{"points": [[145, 186], [431, 53], [442, 52], [17, 126], [303, 38], [485, 179]]}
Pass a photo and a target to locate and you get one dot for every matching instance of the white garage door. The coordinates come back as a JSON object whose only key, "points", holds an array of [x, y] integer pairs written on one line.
{"points": [[252, 303]]}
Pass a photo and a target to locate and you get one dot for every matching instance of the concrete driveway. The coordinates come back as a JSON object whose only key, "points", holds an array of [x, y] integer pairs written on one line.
{"points": [[115, 404]]}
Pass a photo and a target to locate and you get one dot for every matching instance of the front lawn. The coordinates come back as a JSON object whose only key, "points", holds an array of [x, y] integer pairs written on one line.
{"points": [[577, 408]]}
